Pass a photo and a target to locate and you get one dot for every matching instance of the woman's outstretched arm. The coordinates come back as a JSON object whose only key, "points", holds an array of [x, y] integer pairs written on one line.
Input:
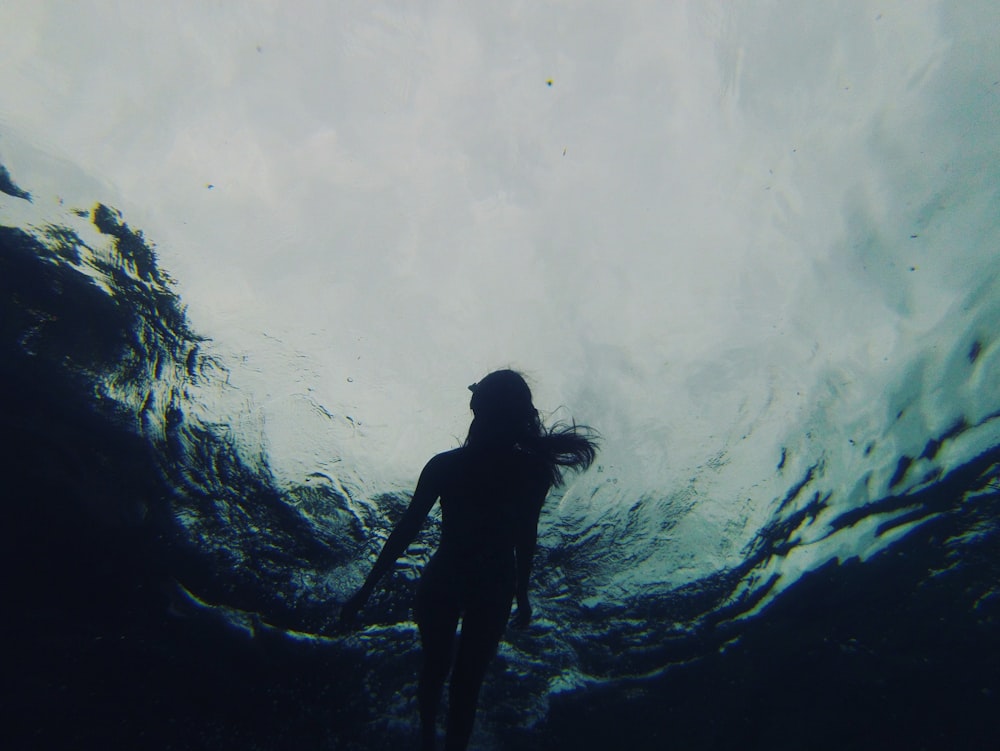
{"points": [[426, 493]]}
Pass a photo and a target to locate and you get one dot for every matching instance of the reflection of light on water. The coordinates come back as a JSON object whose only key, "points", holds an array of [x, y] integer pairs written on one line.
{"points": [[732, 240]]}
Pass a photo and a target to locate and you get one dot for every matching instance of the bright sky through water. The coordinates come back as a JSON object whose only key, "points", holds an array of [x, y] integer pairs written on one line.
{"points": [[687, 222]]}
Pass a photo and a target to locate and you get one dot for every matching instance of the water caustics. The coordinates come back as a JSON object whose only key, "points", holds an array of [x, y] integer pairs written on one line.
{"points": [[755, 247]]}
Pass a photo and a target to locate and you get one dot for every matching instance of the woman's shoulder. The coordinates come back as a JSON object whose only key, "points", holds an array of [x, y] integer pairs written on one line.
{"points": [[524, 463], [535, 468], [445, 460]]}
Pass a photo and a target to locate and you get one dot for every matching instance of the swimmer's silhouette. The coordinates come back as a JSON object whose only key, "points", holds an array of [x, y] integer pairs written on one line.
{"points": [[491, 491]]}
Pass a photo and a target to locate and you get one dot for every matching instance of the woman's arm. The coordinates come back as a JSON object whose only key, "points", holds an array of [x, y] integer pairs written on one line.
{"points": [[524, 552], [426, 493]]}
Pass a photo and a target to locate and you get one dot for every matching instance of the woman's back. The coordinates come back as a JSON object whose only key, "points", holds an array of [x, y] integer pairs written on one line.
{"points": [[489, 500]]}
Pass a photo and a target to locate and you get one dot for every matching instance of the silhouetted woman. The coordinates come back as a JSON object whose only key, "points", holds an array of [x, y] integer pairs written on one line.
{"points": [[491, 491]]}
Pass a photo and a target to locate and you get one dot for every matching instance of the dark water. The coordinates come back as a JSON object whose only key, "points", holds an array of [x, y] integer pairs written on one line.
{"points": [[163, 592]]}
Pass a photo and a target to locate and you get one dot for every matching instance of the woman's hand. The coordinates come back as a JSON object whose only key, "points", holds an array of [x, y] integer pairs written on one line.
{"points": [[349, 610], [522, 617]]}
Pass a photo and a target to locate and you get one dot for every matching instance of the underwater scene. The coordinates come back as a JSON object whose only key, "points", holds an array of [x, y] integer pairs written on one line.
{"points": [[252, 256]]}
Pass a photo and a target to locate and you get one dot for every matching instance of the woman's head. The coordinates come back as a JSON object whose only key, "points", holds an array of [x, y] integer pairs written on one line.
{"points": [[502, 410], [503, 416]]}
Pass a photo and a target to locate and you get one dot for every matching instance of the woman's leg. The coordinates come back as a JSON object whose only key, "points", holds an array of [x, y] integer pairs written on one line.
{"points": [[436, 612], [483, 625]]}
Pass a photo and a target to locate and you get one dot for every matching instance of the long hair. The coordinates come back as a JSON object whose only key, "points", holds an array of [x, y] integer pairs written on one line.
{"points": [[504, 417]]}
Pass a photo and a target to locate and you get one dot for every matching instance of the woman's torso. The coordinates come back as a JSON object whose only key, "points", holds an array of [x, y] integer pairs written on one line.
{"points": [[488, 499]]}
